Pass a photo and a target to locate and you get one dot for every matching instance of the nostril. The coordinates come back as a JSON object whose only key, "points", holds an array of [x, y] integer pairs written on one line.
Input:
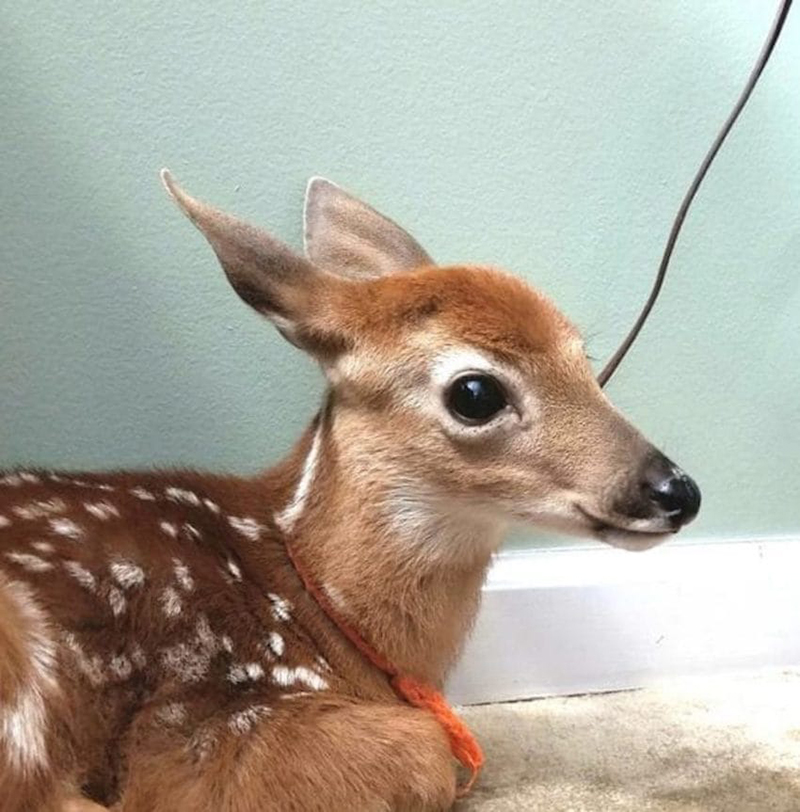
{"points": [[676, 494]]}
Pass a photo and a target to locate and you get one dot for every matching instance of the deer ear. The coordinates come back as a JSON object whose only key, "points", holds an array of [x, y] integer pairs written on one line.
{"points": [[351, 239], [286, 288]]}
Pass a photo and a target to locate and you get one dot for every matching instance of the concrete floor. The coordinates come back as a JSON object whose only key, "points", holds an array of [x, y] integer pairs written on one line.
{"points": [[722, 744]]}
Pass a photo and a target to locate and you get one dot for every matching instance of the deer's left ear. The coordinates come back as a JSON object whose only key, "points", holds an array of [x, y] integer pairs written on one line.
{"points": [[290, 291], [344, 236]]}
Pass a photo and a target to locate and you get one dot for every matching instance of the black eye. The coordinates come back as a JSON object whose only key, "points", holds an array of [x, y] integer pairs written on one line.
{"points": [[475, 398]]}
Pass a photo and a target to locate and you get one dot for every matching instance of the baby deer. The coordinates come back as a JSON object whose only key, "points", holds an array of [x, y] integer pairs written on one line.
{"points": [[159, 649]]}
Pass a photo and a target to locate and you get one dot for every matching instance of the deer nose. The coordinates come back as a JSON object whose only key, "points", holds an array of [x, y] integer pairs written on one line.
{"points": [[671, 491]]}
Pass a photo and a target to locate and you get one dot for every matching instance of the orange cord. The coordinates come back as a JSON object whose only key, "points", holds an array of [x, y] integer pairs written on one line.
{"points": [[463, 745]]}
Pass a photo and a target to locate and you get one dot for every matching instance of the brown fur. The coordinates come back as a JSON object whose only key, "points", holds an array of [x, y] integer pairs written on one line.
{"points": [[119, 737], [181, 664]]}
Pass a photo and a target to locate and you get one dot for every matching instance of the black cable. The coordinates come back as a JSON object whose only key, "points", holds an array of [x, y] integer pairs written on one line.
{"points": [[755, 74]]}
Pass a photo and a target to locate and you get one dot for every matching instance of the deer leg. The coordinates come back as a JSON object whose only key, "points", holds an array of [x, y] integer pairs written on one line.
{"points": [[311, 754]]}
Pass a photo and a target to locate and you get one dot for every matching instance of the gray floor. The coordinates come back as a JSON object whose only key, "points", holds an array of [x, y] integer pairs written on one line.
{"points": [[722, 744]]}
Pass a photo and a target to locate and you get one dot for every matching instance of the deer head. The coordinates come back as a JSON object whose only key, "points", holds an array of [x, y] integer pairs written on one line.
{"points": [[464, 391]]}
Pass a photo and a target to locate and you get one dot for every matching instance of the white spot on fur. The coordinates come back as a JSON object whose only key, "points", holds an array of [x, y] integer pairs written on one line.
{"points": [[67, 528], [19, 478], [4, 521], [191, 531], [12, 480], [169, 528], [249, 528], [43, 546], [182, 495], [142, 493], [101, 510], [121, 667], [190, 661], [285, 676], [174, 713], [90, 667], [137, 656], [171, 602], [23, 723], [103, 487], [202, 744], [243, 721], [322, 663], [182, 575], [32, 563], [81, 575], [117, 601], [286, 518], [127, 574], [212, 506], [204, 633], [281, 608], [233, 569], [226, 643], [186, 661], [245, 672], [39, 510], [276, 644]]}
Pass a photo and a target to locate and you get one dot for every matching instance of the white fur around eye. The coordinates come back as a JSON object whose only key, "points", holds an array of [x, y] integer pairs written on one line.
{"points": [[450, 365]]}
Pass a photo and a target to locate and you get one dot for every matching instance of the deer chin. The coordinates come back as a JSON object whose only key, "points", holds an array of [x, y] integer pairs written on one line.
{"points": [[633, 540], [643, 535]]}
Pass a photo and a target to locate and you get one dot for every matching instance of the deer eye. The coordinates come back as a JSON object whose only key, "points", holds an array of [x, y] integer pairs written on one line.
{"points": [[475, 398]]}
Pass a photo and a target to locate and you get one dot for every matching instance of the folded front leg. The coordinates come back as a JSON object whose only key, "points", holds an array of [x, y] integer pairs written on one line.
{"points": [[309, 754]]}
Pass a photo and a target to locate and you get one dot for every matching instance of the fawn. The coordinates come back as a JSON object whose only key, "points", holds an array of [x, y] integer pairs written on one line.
{"points": [[161, 649]]}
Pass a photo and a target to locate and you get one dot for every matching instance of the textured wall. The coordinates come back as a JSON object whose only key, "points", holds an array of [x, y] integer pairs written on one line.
{"points": [[554, 138]]}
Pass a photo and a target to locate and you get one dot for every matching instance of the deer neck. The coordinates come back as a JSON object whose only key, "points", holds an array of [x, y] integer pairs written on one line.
{"points": [[405, 569]]}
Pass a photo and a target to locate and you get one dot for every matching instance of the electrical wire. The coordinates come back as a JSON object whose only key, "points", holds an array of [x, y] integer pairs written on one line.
{"points": [[755, 74]]}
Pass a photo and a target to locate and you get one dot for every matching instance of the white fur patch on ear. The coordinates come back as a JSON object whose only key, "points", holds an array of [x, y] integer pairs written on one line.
{"points": [[315, 182]]}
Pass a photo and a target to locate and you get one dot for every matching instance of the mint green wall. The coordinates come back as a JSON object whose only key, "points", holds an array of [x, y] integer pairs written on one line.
{"points": [[554, 138]]}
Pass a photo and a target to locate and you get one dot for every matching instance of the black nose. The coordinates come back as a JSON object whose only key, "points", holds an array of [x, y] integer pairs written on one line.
{"points": [[673, 492]]}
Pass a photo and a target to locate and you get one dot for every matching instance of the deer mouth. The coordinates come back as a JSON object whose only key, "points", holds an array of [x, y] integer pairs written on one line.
{"points": [[642, 536]]}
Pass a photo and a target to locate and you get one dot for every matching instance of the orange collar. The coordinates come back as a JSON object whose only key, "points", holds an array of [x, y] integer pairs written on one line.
{"points": [[463, 744]]}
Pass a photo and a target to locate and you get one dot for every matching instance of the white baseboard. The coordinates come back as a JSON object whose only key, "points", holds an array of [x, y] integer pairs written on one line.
{"points": [[582, 620]]}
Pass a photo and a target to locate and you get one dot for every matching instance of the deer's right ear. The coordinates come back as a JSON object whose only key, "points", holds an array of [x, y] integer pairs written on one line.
{"points": [[286, 288], [351, 239]]}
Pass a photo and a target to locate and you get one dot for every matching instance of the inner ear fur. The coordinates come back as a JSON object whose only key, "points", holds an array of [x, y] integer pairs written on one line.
{"points": [[347, 237]]}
